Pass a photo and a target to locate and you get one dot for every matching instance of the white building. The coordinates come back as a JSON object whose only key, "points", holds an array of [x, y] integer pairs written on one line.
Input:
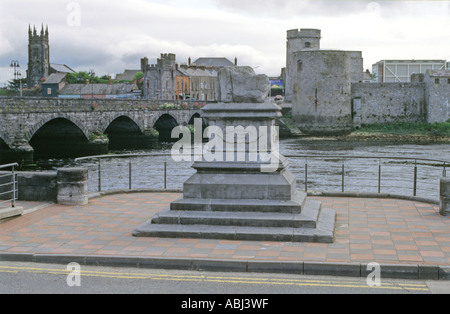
{"points": [[400, 71]]}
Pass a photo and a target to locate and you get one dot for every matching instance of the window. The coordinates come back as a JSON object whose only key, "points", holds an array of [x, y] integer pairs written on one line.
{"points": [[49, 91], [436, 81], [307, 44], [448, 81], [299, 65]]}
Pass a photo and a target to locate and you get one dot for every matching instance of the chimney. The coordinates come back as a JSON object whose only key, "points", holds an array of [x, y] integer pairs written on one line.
{"points": [[189, 61], [235, 61], [87, 82], [110, 81]]}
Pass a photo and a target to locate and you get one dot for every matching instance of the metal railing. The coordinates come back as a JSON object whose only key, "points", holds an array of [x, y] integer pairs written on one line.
{"points": [[407, 176], [9, 187]]}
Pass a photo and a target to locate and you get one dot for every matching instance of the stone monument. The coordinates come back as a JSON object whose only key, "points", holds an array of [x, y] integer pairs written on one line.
{"points": [[242, 189]]}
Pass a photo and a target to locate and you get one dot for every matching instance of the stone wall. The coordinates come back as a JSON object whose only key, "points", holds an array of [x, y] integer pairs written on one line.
{"points": [[437, 97], [33, 186], [389, 102], [65, 186]]}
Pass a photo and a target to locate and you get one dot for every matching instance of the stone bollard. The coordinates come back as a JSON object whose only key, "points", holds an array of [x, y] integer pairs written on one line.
{"points": [[445, 197], [72, 186]]}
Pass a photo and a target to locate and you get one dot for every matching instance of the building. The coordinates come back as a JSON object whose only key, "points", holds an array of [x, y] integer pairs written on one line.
{"points": [[330, 93], [38, 56], [110, 91], [202, 81], [166, 80], [400, 71], [53, 84], [159, 78], [182, 86], [39, 66]]}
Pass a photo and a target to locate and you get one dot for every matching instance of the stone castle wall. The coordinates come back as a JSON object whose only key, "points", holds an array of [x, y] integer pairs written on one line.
{"points": [[389, 102]]}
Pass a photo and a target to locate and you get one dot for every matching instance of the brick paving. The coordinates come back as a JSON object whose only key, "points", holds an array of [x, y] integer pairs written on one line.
{"points": [[387, 231]]}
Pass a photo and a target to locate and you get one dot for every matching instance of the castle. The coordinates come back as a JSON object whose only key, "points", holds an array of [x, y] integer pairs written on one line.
{"points": [[328, 94]]}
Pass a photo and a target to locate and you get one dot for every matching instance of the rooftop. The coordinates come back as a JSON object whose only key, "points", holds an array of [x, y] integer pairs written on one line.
{"points": [[55, 78], [214, 62], [98, 89]]}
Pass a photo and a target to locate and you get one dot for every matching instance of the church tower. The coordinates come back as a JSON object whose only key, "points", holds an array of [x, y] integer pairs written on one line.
{"points": [[38, 56]]}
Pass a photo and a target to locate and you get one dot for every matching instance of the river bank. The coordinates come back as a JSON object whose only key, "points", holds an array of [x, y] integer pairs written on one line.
{"points": [[401, 132]]}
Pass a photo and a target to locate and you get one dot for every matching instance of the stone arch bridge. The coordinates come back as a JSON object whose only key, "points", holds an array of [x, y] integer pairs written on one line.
{"points": [[54, 127]]}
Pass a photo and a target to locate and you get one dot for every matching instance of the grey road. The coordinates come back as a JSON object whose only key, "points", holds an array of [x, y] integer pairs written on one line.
{"points": [[30, 278]]}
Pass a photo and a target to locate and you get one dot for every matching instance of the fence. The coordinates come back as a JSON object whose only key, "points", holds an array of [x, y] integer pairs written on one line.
{"points": [[410, 177], [9, 187]]}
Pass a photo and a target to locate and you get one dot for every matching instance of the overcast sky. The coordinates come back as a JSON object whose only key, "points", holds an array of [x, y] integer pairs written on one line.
{"points": [[109, 36]]}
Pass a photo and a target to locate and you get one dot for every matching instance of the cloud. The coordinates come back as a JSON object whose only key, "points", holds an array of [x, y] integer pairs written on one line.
{"points": [[110, 36]]}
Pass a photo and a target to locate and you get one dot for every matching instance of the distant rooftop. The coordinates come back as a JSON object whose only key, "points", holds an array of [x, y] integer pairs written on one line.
{"points": [[214, 62], [55, 78], [62, 68], [197, 71], [127, 75], [98, 89], [439, 73]]}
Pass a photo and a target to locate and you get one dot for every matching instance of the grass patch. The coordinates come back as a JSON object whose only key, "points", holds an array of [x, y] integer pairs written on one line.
{"points": [[435, 129]]}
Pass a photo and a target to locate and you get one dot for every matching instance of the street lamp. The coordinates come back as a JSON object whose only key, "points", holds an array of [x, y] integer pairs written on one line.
{"points": [[17, 75], [15, 65]]}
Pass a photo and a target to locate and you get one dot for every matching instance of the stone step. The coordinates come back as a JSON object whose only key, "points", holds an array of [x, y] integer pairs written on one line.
{"points": [[307, 218], [324, 233], [241, 205]]}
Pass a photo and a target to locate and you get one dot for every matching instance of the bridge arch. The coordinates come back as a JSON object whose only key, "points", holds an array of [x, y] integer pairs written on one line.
{"points": [[31, 132], [197, 115], [112, 118], [164, 125], [124, 133], [59, 138]]}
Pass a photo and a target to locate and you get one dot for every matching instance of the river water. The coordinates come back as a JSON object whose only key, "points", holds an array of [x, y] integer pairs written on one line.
{"points": [[318, 173]]}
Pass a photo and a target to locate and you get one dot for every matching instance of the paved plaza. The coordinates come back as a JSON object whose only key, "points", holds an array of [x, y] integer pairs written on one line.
{"points": [[385, 231]]}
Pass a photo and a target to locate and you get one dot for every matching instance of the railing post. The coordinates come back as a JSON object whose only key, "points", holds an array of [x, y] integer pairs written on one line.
{"points": [[165, 175], [379, 176], [129, 174], [415, 178], [13, 178], [343, 178], [444, 172], [306, 175], [99, 175]]}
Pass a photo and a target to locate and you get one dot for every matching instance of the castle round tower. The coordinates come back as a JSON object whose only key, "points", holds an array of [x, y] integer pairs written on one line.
{"points": [[321, 102], [298, 40]]}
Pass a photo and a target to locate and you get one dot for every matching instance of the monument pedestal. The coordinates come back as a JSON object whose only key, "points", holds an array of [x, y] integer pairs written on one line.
{"points": [[238, 200]]}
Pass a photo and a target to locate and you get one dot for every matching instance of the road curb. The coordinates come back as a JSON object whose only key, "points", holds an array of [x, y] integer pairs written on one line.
{"points": [[358, 270]]}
